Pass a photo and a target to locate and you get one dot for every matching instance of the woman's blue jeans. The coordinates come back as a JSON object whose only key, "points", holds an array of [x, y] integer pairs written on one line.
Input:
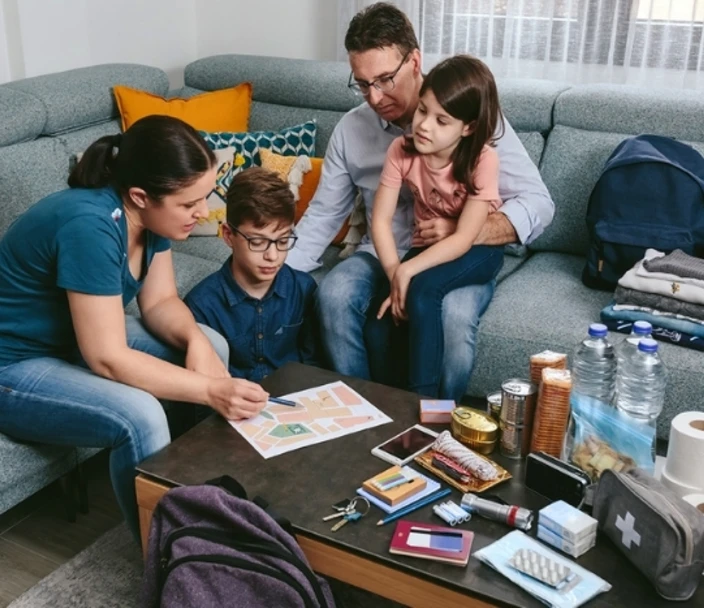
{"points": [[51, 401]]}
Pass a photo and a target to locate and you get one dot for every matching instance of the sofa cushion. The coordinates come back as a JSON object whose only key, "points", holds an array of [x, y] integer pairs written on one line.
{"points": [[22, 117], [534, 145], [29, 172], [225, 110], [545, 306], [26, 468], [76, 142], [301, 83], [211, 248], [83, 97], [528, 104], [633, 110]]}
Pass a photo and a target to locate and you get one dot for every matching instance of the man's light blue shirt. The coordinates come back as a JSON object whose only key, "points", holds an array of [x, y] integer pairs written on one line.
{"points": [[354, 160]]}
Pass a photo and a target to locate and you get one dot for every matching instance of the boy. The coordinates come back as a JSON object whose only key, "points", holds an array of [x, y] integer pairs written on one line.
{"points": [[262, 307]]}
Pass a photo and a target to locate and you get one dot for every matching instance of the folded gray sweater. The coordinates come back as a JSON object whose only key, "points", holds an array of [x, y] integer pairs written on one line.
{"points": [[678, 263]]}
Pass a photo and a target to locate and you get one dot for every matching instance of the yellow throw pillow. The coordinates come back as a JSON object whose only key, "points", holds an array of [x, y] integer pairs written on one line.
{"points": [[307, 189], [223, 110]]}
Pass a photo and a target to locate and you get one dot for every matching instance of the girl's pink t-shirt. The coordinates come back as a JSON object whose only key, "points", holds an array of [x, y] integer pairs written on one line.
{"points": [[435, 192]]}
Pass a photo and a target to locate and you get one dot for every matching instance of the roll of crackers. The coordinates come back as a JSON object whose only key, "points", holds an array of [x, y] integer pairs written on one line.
{"points": [[546, 359], [552, 412]]}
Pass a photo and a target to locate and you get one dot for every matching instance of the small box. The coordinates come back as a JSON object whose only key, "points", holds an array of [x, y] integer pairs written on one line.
{"points": [[436, 411], [575, 550], [567, 522], [395, 495]]}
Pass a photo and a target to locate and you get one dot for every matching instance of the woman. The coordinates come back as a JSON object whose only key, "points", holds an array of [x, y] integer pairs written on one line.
{"points": [[74, 370]]}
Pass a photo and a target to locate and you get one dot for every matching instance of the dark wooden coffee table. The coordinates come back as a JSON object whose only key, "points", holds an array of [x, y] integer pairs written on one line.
{"points": [[302, 485]]}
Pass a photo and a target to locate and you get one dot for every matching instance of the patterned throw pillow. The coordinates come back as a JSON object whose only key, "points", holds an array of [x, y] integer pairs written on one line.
{"points": [[291, 141], [230, 163]]}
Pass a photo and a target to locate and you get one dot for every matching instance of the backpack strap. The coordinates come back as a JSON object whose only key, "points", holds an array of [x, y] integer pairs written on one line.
{"points": [[230, 485], [234, 487]]}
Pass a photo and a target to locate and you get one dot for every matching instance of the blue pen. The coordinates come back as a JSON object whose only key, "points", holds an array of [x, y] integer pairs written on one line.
{"points": [[281, 401], [416, 505]]}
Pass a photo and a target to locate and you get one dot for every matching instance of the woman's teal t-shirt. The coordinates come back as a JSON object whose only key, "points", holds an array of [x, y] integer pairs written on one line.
{"points": [[73, 240]]}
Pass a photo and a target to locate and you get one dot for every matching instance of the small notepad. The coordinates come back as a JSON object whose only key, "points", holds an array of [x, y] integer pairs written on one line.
{"points": [[431, 486]]}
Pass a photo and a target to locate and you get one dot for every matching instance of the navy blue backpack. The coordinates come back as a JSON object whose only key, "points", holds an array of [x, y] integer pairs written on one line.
{"points": [[650, 195]]}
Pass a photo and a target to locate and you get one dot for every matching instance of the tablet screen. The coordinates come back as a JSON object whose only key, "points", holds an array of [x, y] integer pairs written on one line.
{"points": [[407, 444]]}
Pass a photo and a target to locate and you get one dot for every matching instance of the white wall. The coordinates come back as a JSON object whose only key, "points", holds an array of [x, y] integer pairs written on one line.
{"points": [[300, 29], [50, 36], [45, 36]]}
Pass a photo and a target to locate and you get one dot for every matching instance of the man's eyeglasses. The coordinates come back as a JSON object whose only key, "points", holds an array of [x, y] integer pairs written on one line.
{"points": [[261, 243], [383, 84]]}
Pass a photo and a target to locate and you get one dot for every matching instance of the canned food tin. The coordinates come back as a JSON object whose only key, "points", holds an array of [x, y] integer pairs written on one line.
{"points": [[518, 399], [515, 440], [469, 424], [493, 405]]}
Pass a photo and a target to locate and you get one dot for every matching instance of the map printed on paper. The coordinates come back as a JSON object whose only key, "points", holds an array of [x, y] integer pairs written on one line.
{"points": [[323, 412]]}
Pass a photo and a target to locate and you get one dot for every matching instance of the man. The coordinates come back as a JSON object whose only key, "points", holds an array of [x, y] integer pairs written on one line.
{"points": [[386, 69]]}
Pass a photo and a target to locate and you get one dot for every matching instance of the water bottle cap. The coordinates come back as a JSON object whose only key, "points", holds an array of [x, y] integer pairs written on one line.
{"points": [[598, 330], [642, 327], [646, 345]]}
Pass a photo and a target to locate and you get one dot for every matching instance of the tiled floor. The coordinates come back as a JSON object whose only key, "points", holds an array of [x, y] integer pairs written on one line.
{"points": [[36, 538]]}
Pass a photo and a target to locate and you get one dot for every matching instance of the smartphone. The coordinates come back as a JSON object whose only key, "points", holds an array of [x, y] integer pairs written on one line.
{"points": [[405, 446], [556, 479], [436, 540]]}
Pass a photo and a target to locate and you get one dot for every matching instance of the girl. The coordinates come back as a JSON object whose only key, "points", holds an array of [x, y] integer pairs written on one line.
{"points": [[74, 370], [451, 167]]}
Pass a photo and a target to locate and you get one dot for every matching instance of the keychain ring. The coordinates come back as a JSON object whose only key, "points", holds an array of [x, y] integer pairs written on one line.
{"points": [[357, 499]]}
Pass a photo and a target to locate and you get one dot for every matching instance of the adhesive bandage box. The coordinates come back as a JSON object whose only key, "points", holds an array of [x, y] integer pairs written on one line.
{"points": [[436, 411], [567, 522]]}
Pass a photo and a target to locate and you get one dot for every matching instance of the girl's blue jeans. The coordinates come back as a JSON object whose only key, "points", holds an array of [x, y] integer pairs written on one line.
{"points": [[51, 401], [418, 346]]}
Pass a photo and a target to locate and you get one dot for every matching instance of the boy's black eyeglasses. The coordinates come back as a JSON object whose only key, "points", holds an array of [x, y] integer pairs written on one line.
{"points": [[383, 84], [261, 243]]}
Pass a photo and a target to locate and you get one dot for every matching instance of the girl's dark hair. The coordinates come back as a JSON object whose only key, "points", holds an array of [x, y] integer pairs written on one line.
{"points": [[379, 26], [158, 154], [465, 88]]}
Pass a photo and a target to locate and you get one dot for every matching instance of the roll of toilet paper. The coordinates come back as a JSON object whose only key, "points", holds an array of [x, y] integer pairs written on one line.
{"points": [[679, 488], [696, 500], [685, 450]]}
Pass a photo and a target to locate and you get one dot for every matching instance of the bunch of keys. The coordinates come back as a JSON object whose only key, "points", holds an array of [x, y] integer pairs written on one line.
{"points": [[347, 510]]}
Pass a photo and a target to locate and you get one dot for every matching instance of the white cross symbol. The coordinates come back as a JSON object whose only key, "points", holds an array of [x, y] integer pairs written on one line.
{"points": [[629, 533]]}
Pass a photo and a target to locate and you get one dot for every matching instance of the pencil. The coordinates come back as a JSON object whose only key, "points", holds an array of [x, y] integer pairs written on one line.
{"points": [[281, 401], [416, 505]]}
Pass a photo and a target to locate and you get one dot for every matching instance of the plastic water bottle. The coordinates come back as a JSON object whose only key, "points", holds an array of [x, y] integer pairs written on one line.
{"points": [[594, 366], [640, 383], [640, 330]]}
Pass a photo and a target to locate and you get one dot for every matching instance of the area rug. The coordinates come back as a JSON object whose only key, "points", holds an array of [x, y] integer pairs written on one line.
{"points": [[108, 574]]}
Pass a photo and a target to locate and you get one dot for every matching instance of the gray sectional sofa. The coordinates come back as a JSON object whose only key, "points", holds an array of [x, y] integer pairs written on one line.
{"points": [[540, 303]]}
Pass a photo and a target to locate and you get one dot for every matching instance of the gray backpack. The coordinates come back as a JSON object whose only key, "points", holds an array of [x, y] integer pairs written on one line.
{"points": [[661, 534], [210, 548]]}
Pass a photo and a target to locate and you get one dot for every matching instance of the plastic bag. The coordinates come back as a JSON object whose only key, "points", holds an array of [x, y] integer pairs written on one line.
{"points": [[601, 437]]}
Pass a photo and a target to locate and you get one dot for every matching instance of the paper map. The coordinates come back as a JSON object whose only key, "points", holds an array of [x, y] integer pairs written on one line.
{"points": [[323, 413]]}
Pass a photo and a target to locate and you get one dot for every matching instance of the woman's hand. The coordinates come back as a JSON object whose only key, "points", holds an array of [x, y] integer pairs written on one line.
{"points": [[202, 358], [235, 398]]}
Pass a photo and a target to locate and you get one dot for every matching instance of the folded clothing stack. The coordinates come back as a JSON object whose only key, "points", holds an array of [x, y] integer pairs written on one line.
{"points": [[665, 290], [566, 528]]}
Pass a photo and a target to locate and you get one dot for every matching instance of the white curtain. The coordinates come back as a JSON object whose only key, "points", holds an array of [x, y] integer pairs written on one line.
{"points": [[349, 8], [642, 42]]}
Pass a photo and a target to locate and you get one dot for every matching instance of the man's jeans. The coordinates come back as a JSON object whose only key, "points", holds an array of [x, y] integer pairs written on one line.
{"points": [[51, 401], [344, 298]]}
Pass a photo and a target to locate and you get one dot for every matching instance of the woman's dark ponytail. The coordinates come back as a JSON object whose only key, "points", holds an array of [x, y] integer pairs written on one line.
{"points": [[159, 154], [94, 170]]}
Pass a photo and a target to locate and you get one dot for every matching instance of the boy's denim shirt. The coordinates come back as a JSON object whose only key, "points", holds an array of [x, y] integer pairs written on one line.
{"points": [[262, 334]]}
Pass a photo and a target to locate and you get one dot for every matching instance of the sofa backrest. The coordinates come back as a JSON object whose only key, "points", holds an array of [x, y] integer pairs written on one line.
{"points": [[589, 122], [46, 120]]}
